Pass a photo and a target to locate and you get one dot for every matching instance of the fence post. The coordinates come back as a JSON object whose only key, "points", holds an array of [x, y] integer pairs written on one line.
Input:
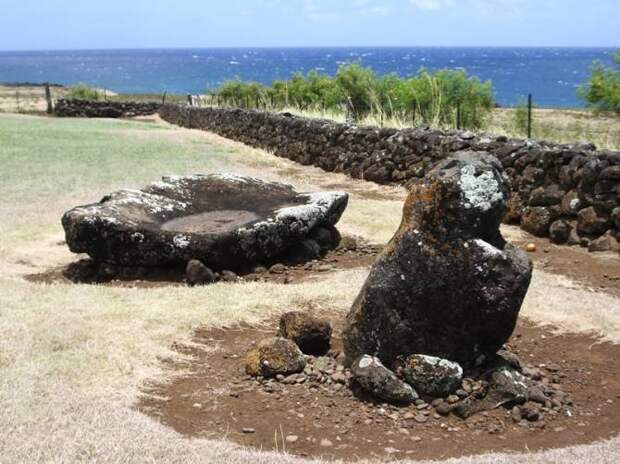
{"points": [[48, 97], [163, 98], [189, 99], [458, 116], [17, 99], [529, 116], [350, 117]]}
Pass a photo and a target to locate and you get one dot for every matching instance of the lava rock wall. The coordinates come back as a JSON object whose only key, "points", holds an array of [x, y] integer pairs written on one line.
{"points": [[569, 191], [104, 109]]}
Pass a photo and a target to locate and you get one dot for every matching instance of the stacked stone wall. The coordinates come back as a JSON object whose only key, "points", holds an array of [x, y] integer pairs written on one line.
{"points": [[571, 192], [104, 109]]}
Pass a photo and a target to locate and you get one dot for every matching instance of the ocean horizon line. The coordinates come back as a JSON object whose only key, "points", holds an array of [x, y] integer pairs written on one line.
{"points": [[314, 47]]}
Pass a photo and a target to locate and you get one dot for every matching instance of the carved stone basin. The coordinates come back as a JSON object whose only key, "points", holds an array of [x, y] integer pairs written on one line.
{"points": [[225, 221]]}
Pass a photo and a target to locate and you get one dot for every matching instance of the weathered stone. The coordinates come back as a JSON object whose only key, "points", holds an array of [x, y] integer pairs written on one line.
{"points": [[324, 237], [197, 273], [571, 204], [444, 408], [432, 376], [590, 222], [514, 209], [605, 242], [373, 377], [224, 221], [536, 220], [312, 335], [509, 359], [546, 196], [446, 269], [530, 412], [559, 231], [507, 387], [274, 356]]}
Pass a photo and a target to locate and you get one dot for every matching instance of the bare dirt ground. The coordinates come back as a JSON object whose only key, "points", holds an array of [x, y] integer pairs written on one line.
{"points": [[215, 399]]}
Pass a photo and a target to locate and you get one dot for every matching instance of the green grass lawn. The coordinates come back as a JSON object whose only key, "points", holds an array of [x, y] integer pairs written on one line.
{"points": [[50, 165]]}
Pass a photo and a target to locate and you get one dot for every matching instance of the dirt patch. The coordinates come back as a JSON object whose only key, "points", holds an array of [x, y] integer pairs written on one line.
{"points": [[600, 271], [353, 254], [214, 398]]}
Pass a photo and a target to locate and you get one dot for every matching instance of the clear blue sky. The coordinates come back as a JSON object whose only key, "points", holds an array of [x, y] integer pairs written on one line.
{"points": [[79, 24]]}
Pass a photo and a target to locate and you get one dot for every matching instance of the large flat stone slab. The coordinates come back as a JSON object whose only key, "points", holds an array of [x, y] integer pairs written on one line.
{"points": [[226, 221]]}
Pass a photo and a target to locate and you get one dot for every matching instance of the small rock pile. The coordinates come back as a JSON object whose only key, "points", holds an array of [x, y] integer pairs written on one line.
{"points": [[422, 388]]}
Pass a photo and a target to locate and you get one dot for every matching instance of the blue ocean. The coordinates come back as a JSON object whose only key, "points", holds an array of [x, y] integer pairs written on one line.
{"points": [[552, 75]]}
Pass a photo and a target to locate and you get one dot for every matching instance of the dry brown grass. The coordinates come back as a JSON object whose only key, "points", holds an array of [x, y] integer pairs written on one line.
{"points": [[72, 357], [554, 125], [16, 99], [562, 126]]}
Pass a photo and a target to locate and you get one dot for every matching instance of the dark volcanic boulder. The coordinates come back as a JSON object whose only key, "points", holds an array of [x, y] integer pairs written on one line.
{"points": [[559, 231], [225, 221], [537, 220], [197, 273], [274, 356], [447, 284]]}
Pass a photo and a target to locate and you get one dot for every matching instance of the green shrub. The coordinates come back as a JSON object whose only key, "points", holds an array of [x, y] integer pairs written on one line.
{"points": [[430, 98], [602, 91], [82, 92]]}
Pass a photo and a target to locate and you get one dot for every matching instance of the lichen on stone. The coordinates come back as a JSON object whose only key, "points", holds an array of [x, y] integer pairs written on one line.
{"points": [[482, 191]]}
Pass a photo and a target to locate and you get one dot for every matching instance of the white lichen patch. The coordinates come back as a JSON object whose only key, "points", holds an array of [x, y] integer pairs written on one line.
{"points": [[181, 241], [299, 219], [480, 192], [444, 364], [317, 206]]}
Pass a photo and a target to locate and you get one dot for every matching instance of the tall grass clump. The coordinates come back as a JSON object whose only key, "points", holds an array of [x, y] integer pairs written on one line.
{"points": [[445, 98], [520, 117], [82, 92]]}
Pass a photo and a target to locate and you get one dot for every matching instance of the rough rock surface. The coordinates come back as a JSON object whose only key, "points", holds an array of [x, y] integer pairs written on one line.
{"points": [[274, 356], [373, 377], [432, 376], [312, 335], [447, 284], [104, 109], [559, 231], [536, 220], [225, 221], [506, 387], [197, 273]]}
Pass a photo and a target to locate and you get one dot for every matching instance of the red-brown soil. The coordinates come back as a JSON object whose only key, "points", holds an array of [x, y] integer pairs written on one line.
{"points": [[214, 398]]}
